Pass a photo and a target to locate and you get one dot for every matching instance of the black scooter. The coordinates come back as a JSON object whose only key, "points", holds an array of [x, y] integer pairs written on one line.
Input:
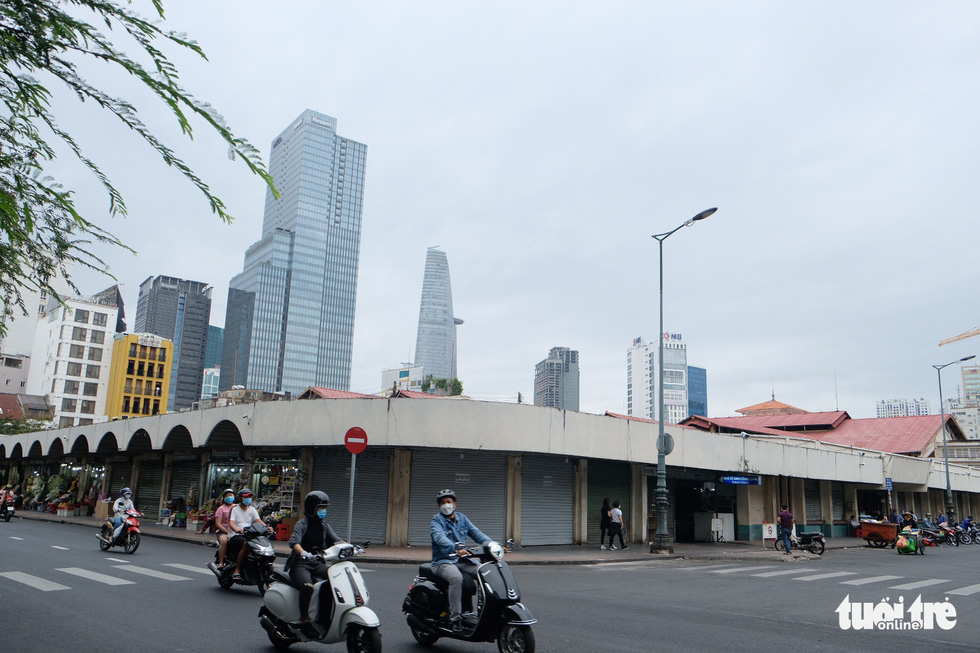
{"points": [[500, 615], [257, 565]]}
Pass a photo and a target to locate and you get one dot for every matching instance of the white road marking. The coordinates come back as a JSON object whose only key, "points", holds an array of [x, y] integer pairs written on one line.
{"points": [[833, 574], [700, 567], [151, 572], [33, 581], [965, 591], [734, 569], [63, 548], [16, 538], [921, 583], [118, 560], [871, 579], [200, 570], [92, 575], [784, 572]]}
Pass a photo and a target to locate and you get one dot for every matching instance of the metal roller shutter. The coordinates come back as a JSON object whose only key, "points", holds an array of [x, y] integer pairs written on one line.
{"points": [[331, 474], [186, 473], [146, 497], [547, 501], [837, 496], [479, 479], [608, 479], [120, 478], [811, 496]]}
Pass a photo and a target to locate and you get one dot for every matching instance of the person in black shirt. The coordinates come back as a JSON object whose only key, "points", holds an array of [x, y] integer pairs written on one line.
{"points": [[311, 534]]}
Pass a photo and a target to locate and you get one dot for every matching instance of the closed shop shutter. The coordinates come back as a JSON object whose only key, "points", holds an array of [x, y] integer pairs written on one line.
{"points": [[479, 479], [147, 496], [608, 479], [811, 496], [837, 496], [547, 493], [186, 473], [120, 477], [331, 474]]}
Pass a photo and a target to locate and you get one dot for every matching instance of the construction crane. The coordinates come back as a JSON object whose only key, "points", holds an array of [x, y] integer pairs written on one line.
{"points": [[975, 331]]}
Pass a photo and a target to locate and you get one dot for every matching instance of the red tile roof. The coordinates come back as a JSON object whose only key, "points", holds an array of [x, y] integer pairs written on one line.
{"points": [[10, 407], [906, 435], [772, 404], [412, 394], [314, 392]]}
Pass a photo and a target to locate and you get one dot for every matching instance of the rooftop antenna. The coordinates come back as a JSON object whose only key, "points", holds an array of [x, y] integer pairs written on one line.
{"points": [[836, 403]]}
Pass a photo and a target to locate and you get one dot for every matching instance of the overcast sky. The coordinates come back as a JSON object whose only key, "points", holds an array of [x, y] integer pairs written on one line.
{"points": [[540, 145]]}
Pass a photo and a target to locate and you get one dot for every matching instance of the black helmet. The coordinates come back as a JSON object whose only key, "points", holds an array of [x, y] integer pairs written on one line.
{"points": [[313, 501], [445, 493]]}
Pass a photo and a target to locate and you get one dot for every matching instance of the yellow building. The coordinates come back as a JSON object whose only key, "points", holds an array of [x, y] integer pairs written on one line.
{"points": [[139, 378]]}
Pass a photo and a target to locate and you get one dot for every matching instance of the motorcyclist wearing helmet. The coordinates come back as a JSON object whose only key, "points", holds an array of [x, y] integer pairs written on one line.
{"points": [[222, 523], [119, 508], [447, 528], [243, 516], [311, 534]]}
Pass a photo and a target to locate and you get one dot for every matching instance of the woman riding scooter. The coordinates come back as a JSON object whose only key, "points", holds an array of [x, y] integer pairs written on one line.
{"points": [[311, 534]]}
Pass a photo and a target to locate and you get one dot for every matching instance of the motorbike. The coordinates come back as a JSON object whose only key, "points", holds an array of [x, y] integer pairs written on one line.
{"points": [[127, 535], [813, 542], [499, 613], [943, 534], [7, 510], [256, 566], [338, 610], [965, 535]]}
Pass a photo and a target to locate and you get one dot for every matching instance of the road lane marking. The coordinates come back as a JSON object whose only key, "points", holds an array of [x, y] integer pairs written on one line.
{"points": [[151, 572], [63, 548], [700, 567], [733, 570], [965, 591], [99, 578], [200, 570], [118, 560], [34, 581], [784, 572], [833, 574], [872, 579], [16, 538], [921, 583]]}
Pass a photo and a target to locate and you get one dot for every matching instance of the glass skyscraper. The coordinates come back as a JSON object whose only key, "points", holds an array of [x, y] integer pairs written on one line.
{"points": [[290, 317], [556, 379], [435, 345]]}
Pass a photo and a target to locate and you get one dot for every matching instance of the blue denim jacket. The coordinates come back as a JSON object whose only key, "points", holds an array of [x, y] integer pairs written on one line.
{"points": [[446, 532]]}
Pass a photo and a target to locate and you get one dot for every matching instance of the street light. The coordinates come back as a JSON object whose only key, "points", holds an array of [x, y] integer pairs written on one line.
{"points": [[950, 508], [661, 541]]}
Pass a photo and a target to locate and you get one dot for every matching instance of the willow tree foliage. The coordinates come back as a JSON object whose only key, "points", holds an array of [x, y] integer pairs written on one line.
{"points": [[42, 43]]}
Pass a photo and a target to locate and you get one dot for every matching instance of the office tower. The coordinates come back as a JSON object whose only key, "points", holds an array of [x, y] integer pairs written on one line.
{"points": [[289, 323], [435, 345], [901, 407], [643, 370], [178, 310], [971, 383], [556, 380], [212, 355], [139, 375], [697, 391]]}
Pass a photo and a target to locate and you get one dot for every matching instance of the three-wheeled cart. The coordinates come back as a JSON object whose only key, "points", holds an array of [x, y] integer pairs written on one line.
{"points": [[878, 535], [915, 536]]}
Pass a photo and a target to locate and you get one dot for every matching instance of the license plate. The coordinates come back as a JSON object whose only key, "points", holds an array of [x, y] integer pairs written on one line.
{"points": [[10, 508]]}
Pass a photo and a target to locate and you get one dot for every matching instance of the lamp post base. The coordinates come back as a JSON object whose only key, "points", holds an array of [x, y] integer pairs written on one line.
{"points": [[661, 545]]}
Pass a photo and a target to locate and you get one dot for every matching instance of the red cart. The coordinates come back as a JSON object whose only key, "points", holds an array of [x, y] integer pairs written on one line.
{"points": [[878, 535]]}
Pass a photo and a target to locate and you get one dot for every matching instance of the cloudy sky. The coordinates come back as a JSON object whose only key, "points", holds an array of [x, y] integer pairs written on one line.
{"points": [[540, 145]]}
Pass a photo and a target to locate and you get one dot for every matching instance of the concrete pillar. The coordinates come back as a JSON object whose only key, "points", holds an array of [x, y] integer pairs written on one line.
{"points": [[167, 484], [399, 492], [637, 526], [797, 502], [203, 475], [580, 502], [305, 465], [512, 518], [826, 509], [851, 501]]}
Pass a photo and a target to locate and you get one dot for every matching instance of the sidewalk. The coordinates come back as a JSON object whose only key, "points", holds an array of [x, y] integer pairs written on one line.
{"points": [[535, 555]]}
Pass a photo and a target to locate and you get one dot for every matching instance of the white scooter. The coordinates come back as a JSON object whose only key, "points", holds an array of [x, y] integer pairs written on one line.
{"points": [[351, 618]]}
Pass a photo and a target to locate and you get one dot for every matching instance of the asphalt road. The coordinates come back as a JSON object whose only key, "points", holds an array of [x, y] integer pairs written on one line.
{"points": [[162, 598]]}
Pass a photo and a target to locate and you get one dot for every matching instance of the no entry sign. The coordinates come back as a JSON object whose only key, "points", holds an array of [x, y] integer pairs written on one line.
{"points": [[356, 440]]}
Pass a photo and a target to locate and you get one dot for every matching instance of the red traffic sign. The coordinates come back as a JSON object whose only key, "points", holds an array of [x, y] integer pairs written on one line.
{"points": [[356, 440]]}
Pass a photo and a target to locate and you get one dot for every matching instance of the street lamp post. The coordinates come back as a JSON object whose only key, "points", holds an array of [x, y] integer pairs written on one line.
{"points": [[950, 508], [661, 541]]}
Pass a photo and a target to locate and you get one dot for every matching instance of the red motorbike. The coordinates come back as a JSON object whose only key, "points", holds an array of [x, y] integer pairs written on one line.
{"points": [[128, 536]]}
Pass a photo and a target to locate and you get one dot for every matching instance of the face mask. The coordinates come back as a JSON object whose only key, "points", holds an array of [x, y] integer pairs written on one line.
{"points": [[321, 513], [247, 501], [447, 509], [229, 500]]}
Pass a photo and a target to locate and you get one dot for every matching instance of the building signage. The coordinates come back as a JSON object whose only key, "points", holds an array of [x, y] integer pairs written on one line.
{"points": [[888, 483], [742, 480], [672, 336]]}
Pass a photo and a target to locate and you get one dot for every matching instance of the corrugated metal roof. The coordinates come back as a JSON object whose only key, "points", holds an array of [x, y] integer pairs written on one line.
{"points": [[330, 393], [10, 407]]}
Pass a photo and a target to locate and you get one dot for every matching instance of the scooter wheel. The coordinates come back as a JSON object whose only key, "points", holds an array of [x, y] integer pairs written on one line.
{"points": [[104, 543], [817, 547], [515, 639], [424, 637], [132, 543], [363, 640]]}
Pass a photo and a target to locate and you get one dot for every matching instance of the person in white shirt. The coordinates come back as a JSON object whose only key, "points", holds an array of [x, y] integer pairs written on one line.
{"points": [[119, 508], [242, 516]]}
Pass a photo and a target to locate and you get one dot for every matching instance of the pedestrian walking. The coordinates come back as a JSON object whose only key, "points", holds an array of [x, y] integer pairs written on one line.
{"points": [[604, 520], [617, 526], [786, 523]]}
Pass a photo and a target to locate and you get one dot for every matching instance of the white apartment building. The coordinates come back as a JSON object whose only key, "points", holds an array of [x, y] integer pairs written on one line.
{"points": [[901, 408], [968, 418], [406, 377], [70, 360], [642, 372]]}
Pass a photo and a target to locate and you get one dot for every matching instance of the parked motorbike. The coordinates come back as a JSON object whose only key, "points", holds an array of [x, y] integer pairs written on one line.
{"points": [[257, 565], [499, 613], [338, 611], [964, 535], [127, 535], [813, 542], [943, 534], [7, 510]]}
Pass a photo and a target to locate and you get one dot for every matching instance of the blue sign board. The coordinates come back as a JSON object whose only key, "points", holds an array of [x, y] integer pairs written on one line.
{"points": [[742, 480], [888, 483]]}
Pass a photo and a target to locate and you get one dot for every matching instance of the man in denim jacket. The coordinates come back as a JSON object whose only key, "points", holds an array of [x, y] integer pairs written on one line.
{"points": [[447, 528]]}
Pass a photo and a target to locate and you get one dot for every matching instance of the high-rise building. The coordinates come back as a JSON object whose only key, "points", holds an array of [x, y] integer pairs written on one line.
{"points": [[642, 372], [901, 408], [967, 417], [435, 344], [289, 323], [212, 379], [70, 360], [697, 391], [212, 355], [139, 375], [971, 384], [178, 310], [556, 380]]}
